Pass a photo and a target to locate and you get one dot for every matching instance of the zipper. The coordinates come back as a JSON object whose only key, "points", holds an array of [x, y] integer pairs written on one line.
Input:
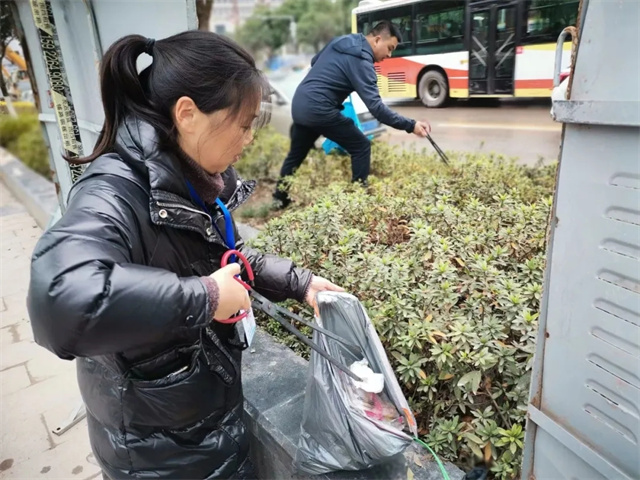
{"points": [[233, 200], [189, 209], [234, 195], [213, 220], [209, 230]]}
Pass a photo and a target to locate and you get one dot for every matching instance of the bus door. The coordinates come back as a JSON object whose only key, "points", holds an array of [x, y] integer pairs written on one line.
{"points": [[492, 50]]}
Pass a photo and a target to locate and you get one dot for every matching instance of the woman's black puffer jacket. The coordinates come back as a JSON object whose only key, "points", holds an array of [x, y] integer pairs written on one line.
{"points": [[115, 285]]}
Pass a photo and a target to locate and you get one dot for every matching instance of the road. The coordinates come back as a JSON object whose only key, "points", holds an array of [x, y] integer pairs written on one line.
{"points": [[514, 128]]}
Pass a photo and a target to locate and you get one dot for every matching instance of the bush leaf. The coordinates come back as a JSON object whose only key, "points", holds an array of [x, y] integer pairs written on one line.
{"points": [[471, 379]]}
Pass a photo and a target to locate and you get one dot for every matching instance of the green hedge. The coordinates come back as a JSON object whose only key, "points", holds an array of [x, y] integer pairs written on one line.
{"points": [[449, 263], [22, 136]]}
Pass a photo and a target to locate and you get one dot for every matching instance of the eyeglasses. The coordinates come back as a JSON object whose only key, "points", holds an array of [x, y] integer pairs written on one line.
{"points": [[264, 115]]}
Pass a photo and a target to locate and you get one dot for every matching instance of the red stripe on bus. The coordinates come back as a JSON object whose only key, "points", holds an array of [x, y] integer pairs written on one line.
{"points": [[412, 69], [453, 82], [538, 83], [458, 83], [458, 78]]}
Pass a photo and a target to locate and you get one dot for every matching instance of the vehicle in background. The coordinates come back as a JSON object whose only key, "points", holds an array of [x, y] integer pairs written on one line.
{"points": [[14, 71], [284, 84], [469, 48]]}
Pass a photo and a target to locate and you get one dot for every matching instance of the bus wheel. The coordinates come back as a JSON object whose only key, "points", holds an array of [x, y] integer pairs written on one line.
{"points": [[433, 88]]}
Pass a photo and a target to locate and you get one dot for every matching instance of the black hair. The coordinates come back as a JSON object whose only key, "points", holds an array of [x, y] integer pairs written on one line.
{"points": [[388, 28], [212, 70]]}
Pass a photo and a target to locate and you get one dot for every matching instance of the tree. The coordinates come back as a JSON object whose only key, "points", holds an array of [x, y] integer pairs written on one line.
{"points": [[319, 21], [346, 7], [203, 10], [318, 26], [297, 8], [7, 34], [260, 32]]}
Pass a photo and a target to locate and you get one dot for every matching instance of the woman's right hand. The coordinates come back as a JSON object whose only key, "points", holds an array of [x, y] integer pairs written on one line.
{"points": [[233, 297]]}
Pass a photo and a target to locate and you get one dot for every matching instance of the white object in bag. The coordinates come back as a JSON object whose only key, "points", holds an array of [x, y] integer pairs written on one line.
{"points": [[371, 382]]}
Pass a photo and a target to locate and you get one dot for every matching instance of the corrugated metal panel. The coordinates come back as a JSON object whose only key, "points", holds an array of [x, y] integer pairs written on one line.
{"points": [[584, 417]]}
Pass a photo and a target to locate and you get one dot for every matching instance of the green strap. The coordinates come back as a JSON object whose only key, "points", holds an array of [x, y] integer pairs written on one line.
{"points": [[445, 475]]}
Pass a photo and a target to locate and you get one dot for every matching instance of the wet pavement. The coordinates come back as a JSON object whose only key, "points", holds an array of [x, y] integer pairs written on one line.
{"points": [[513, 128]]}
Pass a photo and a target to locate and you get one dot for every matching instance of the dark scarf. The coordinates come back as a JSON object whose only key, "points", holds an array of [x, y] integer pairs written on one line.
{"points": [[207, 185]]}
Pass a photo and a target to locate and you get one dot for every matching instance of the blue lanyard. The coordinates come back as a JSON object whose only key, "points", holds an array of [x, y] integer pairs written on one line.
{"points": [[229, 237]]}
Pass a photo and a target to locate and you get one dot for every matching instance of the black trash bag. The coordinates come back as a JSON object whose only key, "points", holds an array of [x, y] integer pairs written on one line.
{"points": [[343, 426], [478, 473]]}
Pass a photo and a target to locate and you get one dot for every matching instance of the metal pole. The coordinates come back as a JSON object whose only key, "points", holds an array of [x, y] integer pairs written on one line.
{"points": [[59, 87]]}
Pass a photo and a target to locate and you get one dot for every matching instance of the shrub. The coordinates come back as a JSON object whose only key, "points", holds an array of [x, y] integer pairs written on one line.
{"points": [[263, 158], [398, 170], [11, 128], [448, 261], [21, 108], [22, 136], [31, 149]]}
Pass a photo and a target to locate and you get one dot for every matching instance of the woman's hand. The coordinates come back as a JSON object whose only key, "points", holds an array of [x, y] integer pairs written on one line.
{"points": [[233, 296], [319, 284]]}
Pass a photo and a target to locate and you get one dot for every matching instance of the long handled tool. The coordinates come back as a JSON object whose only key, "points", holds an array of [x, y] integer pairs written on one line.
{"points": [[443, 155]]}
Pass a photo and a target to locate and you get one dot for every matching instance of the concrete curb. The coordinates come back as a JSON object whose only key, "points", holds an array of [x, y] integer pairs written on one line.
{"points": [[34, 191], [274, 377]]}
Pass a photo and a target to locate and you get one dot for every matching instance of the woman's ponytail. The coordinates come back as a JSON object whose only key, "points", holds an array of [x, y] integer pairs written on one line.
{"points": [[212, 70], [122, 90]]}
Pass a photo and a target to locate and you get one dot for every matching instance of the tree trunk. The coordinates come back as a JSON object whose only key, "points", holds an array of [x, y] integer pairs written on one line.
{"points": [[203, 9]]}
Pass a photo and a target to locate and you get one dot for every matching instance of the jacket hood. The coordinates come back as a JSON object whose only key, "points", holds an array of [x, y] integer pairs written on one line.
{"points": [[354, 45], [138, 144]]}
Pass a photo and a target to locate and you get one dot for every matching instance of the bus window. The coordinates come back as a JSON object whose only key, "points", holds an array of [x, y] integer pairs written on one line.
{"points": [[546, 19], [440, 26], [401, 17], [364, 25], [505, 42]]}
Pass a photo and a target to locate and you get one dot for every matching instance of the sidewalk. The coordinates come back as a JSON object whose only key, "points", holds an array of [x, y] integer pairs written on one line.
{"points": [[38, 391]]}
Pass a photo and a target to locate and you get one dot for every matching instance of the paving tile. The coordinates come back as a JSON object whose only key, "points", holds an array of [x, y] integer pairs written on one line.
{"points": [[13, 317], [24, 331], [61, 390], [18, 353], [9, 335], [25, 439], [58, 416], [42, 367], [13, 380], [65, 461], [16, 309]]}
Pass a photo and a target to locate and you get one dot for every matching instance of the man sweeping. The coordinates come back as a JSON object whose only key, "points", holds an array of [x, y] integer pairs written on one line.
{"points": [[343, 66]]}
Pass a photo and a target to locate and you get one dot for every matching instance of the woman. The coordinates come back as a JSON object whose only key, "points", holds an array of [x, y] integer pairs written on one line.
{"points": [[129, 282]]}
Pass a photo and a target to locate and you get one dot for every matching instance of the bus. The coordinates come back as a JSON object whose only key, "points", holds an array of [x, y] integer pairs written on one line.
{"points": [[469, 48]]}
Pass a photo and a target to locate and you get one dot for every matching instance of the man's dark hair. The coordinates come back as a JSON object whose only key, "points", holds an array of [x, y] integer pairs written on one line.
{"points": [[386, 27]]}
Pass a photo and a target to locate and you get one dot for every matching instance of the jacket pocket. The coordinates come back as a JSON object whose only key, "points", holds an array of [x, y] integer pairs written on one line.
{"points": [[202, 268], [171, 363], [213, 448], [187, 394]]}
